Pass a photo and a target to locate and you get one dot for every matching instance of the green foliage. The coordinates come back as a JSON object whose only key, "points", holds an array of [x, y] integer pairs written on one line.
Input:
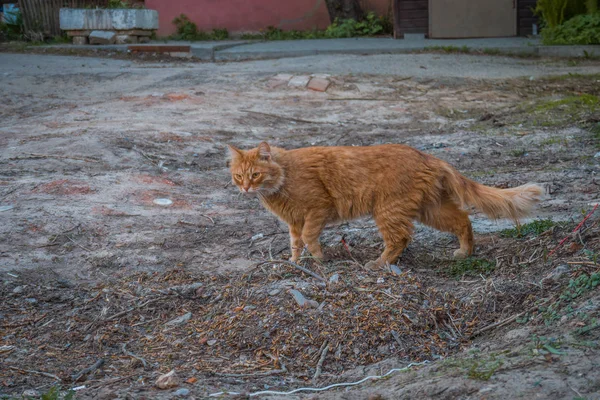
{"points": [[564, 111], [122, 4], [582, 30], [449, 49], [112, 4], [536, 227], [551, 12], [54, 393], [12, 31], [483, 371], [477, 367], [576, 288], [471, 267], [371, 25], [187, 30], [580, 285]]}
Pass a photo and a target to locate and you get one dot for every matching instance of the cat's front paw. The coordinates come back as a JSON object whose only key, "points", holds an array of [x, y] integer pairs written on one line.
{"points": [[460, 254], [375, 265]]}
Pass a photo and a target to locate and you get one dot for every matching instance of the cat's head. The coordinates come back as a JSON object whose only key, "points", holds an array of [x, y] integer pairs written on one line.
{"points": [[254, 171]]}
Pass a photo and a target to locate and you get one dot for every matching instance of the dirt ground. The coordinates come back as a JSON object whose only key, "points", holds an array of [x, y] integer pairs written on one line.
{"points": [[94, 271]]}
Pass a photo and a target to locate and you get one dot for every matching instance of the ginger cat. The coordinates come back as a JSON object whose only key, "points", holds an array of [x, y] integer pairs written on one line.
{"points": [[396, 184]]}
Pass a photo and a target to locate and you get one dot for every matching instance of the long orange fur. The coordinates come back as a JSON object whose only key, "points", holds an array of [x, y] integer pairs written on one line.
{"points": [[395, 184]]}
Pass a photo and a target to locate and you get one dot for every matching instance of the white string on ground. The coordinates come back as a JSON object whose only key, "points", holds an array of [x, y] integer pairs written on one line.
{"points": [[308, 389]]}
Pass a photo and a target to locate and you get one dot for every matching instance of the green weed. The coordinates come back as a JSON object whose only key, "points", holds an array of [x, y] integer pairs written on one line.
{"points": [[449, 49], [476, 367], [536, 228], [371, 25], [491, 52], [518, 152], [483, 371], [187, 30], [554, 113], [545, 345], [579, 30], [471, 267]]}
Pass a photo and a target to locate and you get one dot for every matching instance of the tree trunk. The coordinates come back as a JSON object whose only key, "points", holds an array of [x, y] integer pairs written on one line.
{"points": [[344, 9]]}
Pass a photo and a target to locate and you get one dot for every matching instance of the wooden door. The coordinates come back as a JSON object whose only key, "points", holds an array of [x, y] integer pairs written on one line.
{"points": [[472, 18]]}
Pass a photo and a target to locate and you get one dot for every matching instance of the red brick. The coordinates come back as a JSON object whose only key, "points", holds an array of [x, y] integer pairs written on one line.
{"points": [[319, 84]]}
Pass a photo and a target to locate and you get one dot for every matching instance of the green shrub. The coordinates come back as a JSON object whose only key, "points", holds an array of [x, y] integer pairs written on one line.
{"points": [[551, 12], [370, 26], [187, 30], [12, 31], [582, 29]]}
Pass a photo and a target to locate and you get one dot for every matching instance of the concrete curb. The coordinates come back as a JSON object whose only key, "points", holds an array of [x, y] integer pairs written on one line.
{"points": [[239, 51]]}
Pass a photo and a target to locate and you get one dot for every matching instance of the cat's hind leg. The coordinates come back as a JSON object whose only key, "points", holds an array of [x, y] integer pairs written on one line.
{"points": [[448, 217], [396, 228]]}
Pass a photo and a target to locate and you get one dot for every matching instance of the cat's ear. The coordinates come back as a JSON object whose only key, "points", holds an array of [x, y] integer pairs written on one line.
{"points": [[264, 151], [234, 153]]}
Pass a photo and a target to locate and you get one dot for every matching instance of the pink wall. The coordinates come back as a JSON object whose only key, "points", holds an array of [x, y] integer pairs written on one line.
{"points": [[242, 15], [251, 15]]}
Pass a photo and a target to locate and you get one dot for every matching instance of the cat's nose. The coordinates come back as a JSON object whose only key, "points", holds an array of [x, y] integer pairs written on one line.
{"points": [[246, 189]]}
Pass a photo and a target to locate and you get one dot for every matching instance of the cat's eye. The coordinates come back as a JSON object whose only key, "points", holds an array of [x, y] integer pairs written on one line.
{"points": [[255, 175], [238, 177]]}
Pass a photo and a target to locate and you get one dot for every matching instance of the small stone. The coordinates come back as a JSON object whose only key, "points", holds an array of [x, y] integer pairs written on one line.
{"points": [[80, 40], [335, 278], [380, 280], [283, 77], [257, 236], [299, 81], [274, 292], [181, 54], [163, 202], [559, 271], [319, 84], [597, 155], [31, 393], [126, 39], [211, 342], [303, 301], [167, 380], [180, 320], [395, 269], [274, 83], [192, 380], [31, 300], [183, 392], [102, 37], [18, 289]]}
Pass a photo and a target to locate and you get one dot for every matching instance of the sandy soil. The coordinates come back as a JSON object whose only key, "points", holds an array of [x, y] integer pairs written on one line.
{"points": [[90, 262]]}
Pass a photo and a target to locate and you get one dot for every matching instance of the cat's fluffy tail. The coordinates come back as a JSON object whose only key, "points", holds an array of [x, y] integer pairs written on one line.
{"points": [[513, 203]]}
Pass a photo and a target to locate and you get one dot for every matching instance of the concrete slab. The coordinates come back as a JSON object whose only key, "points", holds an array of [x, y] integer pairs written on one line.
{"points": [[240, 50], [570, 51], [107, 19], [297, 48]]}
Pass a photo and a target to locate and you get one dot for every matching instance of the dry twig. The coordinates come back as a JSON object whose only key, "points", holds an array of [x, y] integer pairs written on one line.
{"points": [[130, 354], [120, 314], [301, 268], [321, 361], [507, 320], [30, 371], [88, 370]]}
